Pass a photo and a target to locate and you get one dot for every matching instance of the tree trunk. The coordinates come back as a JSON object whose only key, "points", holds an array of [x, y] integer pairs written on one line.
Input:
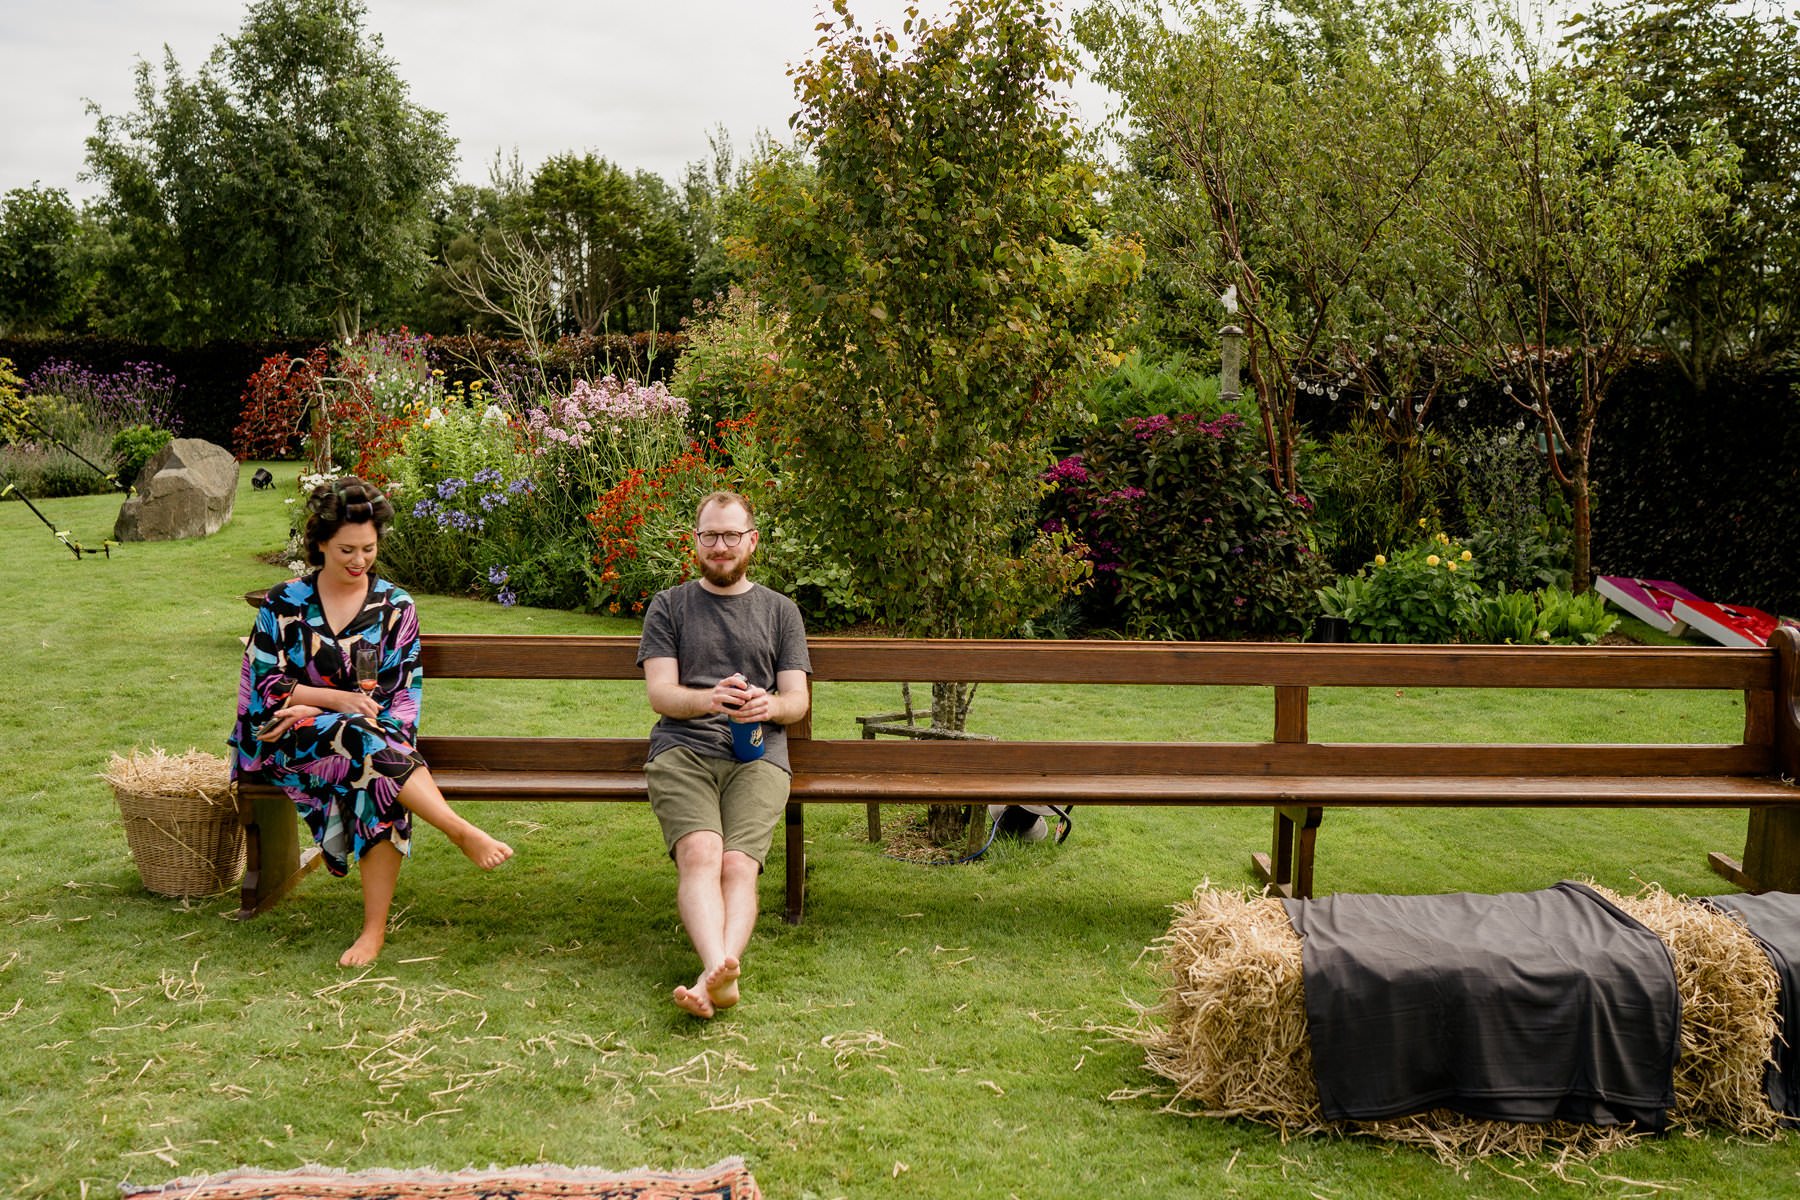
{"points": [[1581, 572], [948, 824]]}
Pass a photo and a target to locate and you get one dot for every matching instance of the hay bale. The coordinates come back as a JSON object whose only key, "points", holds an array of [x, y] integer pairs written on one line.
{"points": [[180, 817], [1229, 1031], [1729, 991]]}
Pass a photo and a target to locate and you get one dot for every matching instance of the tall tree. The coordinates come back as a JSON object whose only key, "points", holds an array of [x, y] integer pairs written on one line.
{"points": [[1689, 67], [1277, 162], [286, 188], [1567, 232], [42, 280], [943, 276]]}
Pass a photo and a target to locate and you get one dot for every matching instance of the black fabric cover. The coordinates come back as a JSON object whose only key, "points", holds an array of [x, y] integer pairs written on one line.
{"points": [[1774, 920], [1526, 1006]]}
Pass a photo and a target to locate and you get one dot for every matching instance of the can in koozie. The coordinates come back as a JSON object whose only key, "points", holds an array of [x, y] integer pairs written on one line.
{"points": [[746, 740]]}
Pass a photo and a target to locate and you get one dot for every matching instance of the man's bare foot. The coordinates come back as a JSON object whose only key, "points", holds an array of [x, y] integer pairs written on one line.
{"points": [[721, 983], [483, 850], [693, 1000], [363, 950]]}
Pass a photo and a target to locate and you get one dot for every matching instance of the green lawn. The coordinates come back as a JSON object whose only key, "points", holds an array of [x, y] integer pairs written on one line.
{"points": [[928, 1032]]}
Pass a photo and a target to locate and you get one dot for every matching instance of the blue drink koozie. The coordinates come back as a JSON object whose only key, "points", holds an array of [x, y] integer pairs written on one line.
{"points": [[746, 740]]}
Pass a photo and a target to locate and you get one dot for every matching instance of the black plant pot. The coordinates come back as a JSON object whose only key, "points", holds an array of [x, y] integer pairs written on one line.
{"points": [[1329, 629]]}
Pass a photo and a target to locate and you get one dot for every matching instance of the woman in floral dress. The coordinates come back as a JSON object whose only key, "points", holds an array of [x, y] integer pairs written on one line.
{"points": [[345, 757]]}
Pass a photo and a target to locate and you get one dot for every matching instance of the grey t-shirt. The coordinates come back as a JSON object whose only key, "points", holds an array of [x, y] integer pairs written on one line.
{"points": [[757, 633]]}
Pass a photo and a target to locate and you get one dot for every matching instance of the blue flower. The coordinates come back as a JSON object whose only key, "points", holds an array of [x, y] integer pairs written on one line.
{"points": [[486, 475], [460, 520], [496, 575], [449, 487], [507, 598], [425, 508], [521, 484], [493, 500]]}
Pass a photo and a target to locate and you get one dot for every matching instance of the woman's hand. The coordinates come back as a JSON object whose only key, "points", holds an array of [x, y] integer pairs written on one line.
{"points": [[285, 720]]}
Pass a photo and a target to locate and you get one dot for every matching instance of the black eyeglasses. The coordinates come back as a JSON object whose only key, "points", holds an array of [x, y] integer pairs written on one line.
{"points": [[731, 537]]}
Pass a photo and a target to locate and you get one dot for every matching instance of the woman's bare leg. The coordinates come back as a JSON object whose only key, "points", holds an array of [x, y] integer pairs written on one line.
{"points": [[379, 871], [424, 799]]}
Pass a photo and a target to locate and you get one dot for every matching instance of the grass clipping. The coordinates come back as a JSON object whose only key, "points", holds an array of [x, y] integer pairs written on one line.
{"points": [[1230, 1031]]}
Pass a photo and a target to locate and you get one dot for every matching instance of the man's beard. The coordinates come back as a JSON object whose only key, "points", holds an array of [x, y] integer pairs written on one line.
{"points": [[724, 574]]}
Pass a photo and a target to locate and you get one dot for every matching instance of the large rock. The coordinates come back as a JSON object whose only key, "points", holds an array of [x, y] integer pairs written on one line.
{"points": [[185, 491]]}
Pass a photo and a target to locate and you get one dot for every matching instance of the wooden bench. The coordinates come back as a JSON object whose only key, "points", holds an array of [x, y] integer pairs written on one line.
{"points": [[1289, 773]]}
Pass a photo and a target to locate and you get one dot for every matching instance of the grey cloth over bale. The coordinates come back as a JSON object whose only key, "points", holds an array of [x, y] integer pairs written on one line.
{"points": [[1525, 1006], [186, 490], [1774, 921]]}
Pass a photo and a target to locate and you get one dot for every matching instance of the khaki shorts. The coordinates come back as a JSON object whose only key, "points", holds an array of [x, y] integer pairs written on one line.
{"points": [[691, 793]]}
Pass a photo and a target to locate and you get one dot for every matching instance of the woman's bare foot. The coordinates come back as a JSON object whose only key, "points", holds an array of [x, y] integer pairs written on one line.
{"points": [[483, 850], [693, 1000], [363, 950], [721, 983]]}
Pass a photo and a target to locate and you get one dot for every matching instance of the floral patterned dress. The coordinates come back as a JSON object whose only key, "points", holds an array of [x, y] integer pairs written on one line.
{"points": [[343, 771]]}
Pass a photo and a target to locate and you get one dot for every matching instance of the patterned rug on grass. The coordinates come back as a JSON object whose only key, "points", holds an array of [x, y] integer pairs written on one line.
{"points": [[729, 1180]]}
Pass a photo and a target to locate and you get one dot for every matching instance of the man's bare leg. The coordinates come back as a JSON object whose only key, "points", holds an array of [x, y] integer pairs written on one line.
{"points": [[700, 899], [379, 872], [424, 799], [737, 887]]}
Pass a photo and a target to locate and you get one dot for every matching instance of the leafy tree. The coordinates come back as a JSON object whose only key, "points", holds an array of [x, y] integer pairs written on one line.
{"points": [[43, 283], [942, 278], [1567, 232], [1277, 162], [609, 238], [1687, 66], [286, 188]]}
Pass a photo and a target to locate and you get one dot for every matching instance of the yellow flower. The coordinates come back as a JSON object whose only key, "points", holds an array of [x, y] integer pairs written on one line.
{"points": [[1421, 522], [1451, 565], [1467, 556], [1443, 539], [1381, 560], [1431, 560]]}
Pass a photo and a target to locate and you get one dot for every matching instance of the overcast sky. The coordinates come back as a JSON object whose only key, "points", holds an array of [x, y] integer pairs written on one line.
{"points": [[639, 82]]}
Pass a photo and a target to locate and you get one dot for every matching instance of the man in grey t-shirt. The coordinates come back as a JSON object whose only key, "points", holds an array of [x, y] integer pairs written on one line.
{"points": [[725, 664]]}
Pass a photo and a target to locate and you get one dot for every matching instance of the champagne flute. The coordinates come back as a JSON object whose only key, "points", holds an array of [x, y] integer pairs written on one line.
{"points": [[365, 660]]}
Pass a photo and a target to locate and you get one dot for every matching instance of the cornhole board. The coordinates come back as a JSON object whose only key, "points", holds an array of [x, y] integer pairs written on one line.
{"points": [[1651, 601], [1727, 624]]}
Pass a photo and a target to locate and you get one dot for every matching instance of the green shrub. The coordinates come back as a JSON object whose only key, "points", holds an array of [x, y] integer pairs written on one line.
{"points": [[134, 446], [1144, 385], [1186, 537], [1518, 520], [1373, 490], [1427, 592], [731, 361]]}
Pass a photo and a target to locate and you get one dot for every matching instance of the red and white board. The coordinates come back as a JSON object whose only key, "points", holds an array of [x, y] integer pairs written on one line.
{"points": [[1651, 601], [1728, 624]]}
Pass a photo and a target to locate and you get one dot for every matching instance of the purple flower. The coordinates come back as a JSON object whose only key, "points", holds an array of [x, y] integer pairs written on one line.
{"points": [[425, 508], [521, 484], [507, 598], [492, 500], [460, 520], [496, 575], [448, 488], [1069, 470], [486, 475]]}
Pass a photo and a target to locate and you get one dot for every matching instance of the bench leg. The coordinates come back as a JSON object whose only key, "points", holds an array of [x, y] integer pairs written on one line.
{"points": [[1771, 853], [874, 807], [796, 863], [273, 862], [1288, 868]]}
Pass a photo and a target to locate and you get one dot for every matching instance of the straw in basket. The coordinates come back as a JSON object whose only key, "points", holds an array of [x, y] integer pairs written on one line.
{"points": [[180, 820]]}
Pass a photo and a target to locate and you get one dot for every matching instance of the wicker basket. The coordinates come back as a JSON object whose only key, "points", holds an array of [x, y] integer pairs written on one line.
{"points": [[180, 819]]}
